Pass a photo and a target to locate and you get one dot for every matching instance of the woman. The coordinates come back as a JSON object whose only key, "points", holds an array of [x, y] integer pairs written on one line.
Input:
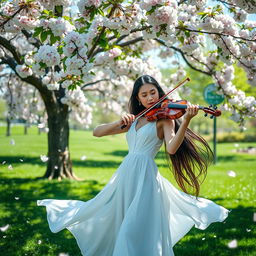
{"points": [[139, 212]]}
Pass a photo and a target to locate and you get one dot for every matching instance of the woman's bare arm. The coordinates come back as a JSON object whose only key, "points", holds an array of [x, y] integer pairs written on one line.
{"points": [[172, 140], [114, 127]]}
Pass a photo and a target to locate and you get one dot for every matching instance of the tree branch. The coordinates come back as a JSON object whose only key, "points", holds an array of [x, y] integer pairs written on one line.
{"points": [[121, 38], [249, 67], [97, 40], [10, 91], [214, 33], [9, 18], [98, 81], [8, 46], [28, 35], [132, 31], [133, 41], [226, 3], [36, 82], [184, 57]]}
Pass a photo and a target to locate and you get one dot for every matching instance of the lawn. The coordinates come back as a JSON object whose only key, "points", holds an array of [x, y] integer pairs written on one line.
{"points": [[28, 232]]}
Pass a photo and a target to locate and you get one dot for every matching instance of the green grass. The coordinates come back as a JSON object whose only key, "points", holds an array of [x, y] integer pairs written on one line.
{"points": [[29, 234]]}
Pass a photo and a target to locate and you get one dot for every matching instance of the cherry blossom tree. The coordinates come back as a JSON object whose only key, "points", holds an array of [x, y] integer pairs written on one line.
{"points": [[102, 49], [23, 102]]}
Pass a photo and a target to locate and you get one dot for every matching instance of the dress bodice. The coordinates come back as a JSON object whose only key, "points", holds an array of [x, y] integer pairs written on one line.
{"points": [[144, 140]]}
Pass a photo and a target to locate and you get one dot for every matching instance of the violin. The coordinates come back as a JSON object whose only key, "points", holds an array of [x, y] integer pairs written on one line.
{"points": [[169, 109]]}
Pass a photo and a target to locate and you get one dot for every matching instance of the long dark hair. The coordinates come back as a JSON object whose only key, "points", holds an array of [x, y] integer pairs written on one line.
{"points": [[190, 162]]}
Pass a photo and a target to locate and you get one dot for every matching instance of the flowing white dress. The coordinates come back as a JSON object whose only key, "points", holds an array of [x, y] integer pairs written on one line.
{"points": [[139, 212]]}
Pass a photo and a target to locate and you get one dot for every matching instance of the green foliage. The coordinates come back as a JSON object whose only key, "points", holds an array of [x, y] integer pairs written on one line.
{"points": [[240, 81], [38, 31], [236, 137], [44, 35]]}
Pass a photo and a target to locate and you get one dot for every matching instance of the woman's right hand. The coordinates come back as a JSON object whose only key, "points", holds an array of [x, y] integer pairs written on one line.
{"points": [[127, 119]]}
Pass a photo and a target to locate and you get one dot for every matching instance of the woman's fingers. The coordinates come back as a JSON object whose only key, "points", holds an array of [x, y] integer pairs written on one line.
{"points": [[192, 109], [128, 119]]}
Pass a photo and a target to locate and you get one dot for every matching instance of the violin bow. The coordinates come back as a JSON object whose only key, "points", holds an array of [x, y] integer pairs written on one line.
{"points": [[143, 112]]}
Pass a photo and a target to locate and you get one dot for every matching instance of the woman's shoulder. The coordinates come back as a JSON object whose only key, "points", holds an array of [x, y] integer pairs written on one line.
{"points": [[164, 122], [161, 123]]}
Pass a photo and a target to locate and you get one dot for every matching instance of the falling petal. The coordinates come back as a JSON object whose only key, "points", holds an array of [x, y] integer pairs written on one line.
{"points": [[40, 125], [4, 236], [83, 158], [248, 230], [232, 244], [16, 198], [21, 160], [214, 236], [203, 238], [236, 145], [3, 162], [44, 158], [55, 167], [4, 228], [12, 142], [254, 216], [10, 167], [39, 242], [231, 173]]}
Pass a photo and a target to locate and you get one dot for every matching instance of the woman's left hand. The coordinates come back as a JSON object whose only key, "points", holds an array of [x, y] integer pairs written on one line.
{"points": [[191, 111]]}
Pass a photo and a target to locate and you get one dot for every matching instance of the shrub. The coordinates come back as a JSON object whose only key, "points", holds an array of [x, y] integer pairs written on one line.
{"points": [[234, 137]]}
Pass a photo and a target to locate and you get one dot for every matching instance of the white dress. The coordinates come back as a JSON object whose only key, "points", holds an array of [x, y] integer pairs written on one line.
{"points": [[139, 212]]}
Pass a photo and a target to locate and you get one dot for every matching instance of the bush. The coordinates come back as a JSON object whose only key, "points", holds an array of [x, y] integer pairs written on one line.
{"points": [[233, 137]]}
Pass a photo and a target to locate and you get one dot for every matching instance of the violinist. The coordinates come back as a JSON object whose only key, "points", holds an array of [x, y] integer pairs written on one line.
{"points": [[139, 212]]}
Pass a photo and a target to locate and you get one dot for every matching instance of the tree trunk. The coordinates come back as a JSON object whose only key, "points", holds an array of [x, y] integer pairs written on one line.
{"points": [[8, 127], [25, 128], [59, 162]]}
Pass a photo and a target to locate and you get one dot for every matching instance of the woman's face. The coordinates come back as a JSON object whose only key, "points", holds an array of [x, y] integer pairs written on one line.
{"points": [[148, 95]]}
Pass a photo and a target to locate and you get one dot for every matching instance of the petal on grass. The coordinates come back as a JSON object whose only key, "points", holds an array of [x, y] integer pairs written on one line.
{"points": [[231, 173], [4, 228], [232, 244]]}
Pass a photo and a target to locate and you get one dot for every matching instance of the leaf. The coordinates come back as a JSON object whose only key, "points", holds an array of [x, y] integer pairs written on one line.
{"points": [[181, 39], [103, 42], [91, 60], [201, 13], [101, 12], [37, 31], [46, 12], [92, 14], [203, 16], [116, 33], [67, 18], [219, 50], [72, 86], [44, 36], [187, 33], [53, 39], [59, 9], [151, 10]]}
